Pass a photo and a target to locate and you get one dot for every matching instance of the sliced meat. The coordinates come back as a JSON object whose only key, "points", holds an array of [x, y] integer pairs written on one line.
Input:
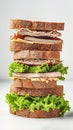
{"points": [[37, 75], [36, 62], [28, 32], [42, 40]]}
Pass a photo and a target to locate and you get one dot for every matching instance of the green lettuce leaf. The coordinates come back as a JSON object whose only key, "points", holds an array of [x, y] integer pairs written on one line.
{"points": [[31, 103], [39, 69], [44, 68], [17, 67]]}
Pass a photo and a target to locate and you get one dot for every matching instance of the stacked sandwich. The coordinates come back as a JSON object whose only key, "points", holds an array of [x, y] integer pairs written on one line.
{"points": [[36, 69]]}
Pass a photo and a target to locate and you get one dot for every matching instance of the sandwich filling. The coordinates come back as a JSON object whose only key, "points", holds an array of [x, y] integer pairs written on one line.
{"points": [[43, 68], [28, 32], [36, 62], [32, 103], [28, 36]]}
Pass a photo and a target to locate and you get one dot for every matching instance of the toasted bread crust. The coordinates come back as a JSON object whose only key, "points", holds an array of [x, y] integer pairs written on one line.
{"points": [[36, 25], [19, 46], [58, 91], [36, 113], [28, 83], [37, 54]]}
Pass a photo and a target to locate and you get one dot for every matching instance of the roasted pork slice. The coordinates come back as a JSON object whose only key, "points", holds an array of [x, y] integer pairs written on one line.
{"points": [[37, 75], [28, 32], [35, 62]]}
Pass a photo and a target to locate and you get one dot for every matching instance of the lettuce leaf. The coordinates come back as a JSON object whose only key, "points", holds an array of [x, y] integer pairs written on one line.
{"points": [[44, 68], [39, 69], [31, 103], [17, 67]]}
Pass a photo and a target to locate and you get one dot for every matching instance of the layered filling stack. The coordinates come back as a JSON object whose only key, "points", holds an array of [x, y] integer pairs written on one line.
{"points": [[36, 69]]}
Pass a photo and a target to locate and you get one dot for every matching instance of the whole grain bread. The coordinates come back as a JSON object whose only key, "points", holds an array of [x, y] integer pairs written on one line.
{"points": [[36, 113], [19, 46], [36, 25], [37, 54], [35, 83], [58, 91]]}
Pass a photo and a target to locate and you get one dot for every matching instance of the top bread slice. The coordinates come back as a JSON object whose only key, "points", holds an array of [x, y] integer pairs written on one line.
{"points": [[36, 25]]}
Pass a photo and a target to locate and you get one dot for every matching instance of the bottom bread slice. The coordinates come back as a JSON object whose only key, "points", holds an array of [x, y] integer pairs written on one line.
{"points": [[36, 113]]}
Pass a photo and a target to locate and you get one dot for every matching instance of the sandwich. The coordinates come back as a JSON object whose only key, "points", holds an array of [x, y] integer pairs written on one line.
{"points": [[35, 70]]}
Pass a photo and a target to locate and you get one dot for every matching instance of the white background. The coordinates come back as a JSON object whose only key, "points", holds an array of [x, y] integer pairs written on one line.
{"points": [[46, 10]]}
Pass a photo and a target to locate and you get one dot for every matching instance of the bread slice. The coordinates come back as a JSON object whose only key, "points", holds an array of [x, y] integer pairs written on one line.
{"points": [[58, 91], [37, 54], [35, 83], [37, 75], [36, 25], [36, 113], [19, 46]]}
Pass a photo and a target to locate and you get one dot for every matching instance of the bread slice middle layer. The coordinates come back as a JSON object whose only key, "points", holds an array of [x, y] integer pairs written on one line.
{"points": [[37, 54], [35, 82], [18, 45], [58, 91]]}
